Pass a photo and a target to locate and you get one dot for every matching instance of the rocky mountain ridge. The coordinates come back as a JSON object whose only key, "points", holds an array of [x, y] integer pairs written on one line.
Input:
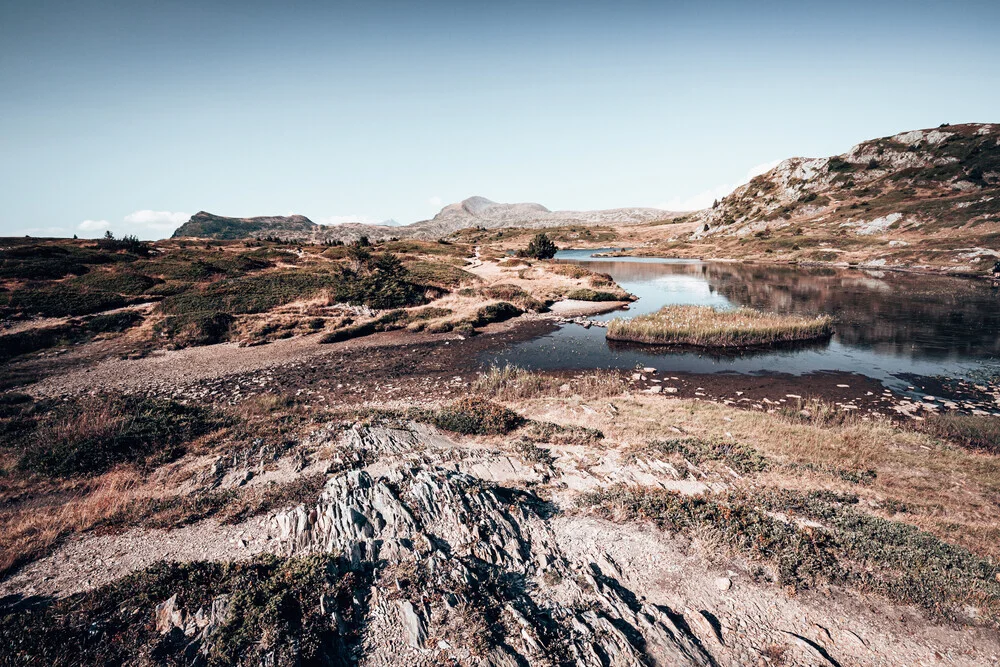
{"points": [[471, 212]]}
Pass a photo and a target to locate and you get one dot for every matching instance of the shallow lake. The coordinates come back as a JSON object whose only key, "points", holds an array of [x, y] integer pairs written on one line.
{"points": [[888, 324]]}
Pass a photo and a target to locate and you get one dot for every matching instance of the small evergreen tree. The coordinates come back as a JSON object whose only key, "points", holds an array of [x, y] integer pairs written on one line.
{"points": [[540, 247]]}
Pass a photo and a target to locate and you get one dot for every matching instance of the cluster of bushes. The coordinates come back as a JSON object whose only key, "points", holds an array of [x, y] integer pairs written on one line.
{"points": [[205, 315], [92, 434], [47, 261], [495, 312], [277, 611], [192, 266], [515, 295], [390, 321], [130, 244], [439, 274]]}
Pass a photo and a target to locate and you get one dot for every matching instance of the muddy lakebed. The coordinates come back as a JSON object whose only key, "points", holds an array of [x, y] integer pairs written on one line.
{"points": [[917, 335]]}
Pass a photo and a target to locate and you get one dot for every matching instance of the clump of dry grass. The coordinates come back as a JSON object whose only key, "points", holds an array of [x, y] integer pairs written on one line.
{"points": [[704, 326], [980, 432], [28, 534]]}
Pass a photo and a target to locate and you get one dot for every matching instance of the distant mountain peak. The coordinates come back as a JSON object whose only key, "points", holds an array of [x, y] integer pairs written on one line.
{"points": [[474, 211]]}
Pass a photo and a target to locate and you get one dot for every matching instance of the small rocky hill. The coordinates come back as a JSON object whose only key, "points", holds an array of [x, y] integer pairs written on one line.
{"points": [[208, 225], [926, 196]]}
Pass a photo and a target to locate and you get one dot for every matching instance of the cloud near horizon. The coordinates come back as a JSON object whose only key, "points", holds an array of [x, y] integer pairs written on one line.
{"points": [[165, 219], [146, 224], [705, 198], [93, 225]]}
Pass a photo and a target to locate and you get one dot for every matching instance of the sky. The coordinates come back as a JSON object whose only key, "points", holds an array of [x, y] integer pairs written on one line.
{"points": [[131, 115]]}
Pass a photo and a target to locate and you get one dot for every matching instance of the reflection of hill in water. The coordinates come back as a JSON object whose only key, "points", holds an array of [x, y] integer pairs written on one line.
{"points": [[893, 313]]}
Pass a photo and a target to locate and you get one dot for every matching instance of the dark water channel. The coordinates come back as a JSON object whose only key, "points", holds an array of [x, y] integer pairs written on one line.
{"points": [[889, 325]]}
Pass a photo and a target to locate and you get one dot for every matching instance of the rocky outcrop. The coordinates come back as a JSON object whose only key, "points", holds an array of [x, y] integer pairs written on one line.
{"points": [[454, 551], [891, 183]]}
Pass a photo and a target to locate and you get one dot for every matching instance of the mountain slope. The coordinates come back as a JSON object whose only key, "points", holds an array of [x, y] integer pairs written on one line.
{"points": [[916, 199]]}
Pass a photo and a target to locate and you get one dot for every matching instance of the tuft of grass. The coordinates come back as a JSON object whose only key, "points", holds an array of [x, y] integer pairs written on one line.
{"points": [[704, 326], [738, 456]]}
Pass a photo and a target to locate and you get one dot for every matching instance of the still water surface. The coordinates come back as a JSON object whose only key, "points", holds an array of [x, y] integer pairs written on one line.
{"points": [[888, 324]]}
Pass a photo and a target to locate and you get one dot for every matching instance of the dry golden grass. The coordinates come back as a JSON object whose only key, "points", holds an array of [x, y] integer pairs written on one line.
{"points": [[29, 532], [704, 326], [509, 383]]}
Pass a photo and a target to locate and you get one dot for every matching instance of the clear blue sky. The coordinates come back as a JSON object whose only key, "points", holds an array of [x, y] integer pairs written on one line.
{"points": [[132, 114]]}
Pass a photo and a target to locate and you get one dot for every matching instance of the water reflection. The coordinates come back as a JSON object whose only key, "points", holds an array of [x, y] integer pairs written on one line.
{"points": [[887, 322]]}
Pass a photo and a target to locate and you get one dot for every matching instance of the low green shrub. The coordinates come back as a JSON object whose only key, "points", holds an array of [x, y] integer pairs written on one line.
{"points": [[540, 247], [58, 300], [439, 274], [495, 312], [200, 328], [477, 416], [278, 612], [504, 292], [584, 294], [122, 282], [349, 332]]}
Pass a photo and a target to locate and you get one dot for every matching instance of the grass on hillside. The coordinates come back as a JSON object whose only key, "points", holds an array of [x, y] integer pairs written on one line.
{"points": [[92, 434], [851, 547], [704, 326]]}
